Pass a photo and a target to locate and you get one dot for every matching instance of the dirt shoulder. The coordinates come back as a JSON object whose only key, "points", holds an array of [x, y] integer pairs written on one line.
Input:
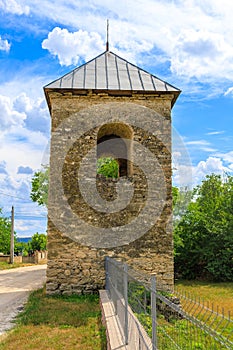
{"points": [[15, 286]]}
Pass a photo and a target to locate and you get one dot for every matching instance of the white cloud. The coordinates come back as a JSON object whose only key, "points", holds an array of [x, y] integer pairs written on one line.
{"points": [[21, 147], [24, 132], [22, 111], [70, 47], [37, 116], [8, 115], [3, 167], [229, 91], [4, 45], [24, 170], [227, 157], [190, 35], [12, 6], [24, 125], [197, 143], [211, 165], [202, 145], [190, 175], [215, 133], [209, 149], [16, 191], [183, 175], [202, 53]]}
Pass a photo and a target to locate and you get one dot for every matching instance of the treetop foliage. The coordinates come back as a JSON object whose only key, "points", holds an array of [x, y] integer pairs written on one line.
{"points": [[204, 234], [40, 183], [5, 234]]}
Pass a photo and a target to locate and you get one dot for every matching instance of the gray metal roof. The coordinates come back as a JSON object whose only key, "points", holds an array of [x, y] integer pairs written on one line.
{"points": [[111, 72]]}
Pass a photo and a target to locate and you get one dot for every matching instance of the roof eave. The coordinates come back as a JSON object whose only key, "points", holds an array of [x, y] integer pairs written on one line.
{"points": [[111, 92]]}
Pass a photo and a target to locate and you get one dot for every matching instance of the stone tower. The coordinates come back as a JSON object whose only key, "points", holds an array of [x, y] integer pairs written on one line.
{"points": [[109, 107]]}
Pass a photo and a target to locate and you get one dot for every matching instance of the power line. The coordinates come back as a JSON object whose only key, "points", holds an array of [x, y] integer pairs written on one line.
{"points": [[9, 195], [38, 215], [30, 218]]}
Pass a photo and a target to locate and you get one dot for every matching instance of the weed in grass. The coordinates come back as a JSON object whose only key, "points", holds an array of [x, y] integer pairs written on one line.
{"points": [[57, 323]]}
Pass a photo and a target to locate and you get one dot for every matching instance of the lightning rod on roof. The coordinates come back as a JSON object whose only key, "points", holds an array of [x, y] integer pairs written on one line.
{"points": [[107, 43]]}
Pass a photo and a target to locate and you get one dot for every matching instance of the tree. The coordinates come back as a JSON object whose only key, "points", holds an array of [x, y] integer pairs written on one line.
{"points": [[39, 241], [22, 248], [5, 234], [108, 167], [204, 235], [40, 184], [175, 194]]}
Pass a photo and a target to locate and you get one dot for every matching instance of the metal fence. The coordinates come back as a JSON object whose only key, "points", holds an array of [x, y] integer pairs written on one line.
{"points": [[170, 321]]}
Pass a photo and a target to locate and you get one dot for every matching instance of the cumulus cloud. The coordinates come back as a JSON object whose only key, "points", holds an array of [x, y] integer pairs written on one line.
{"points": [[24, 170], [3, 167], [191, 175], [8, 115], [190, 36], [227, 157], [25, 127], [23, 111], [14, 7], [211, 165], [71, 47], [4, 45], [201, 53], [36, 111]]}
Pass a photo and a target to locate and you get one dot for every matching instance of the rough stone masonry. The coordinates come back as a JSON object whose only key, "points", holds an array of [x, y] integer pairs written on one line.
{"points": [[81, 118]]}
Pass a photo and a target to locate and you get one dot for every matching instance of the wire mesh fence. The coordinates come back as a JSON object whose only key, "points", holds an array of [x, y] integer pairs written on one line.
{"points": [[119, 287], [170, 321]]}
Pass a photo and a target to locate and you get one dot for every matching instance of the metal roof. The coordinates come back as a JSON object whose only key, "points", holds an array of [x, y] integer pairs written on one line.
{"points": [[108, 71]]}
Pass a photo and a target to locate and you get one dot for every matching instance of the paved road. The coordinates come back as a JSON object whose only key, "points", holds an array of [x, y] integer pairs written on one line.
{"points": [[15, 286]]}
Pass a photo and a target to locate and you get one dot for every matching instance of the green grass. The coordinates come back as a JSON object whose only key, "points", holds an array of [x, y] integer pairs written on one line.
{"points": [[73, 322], [171, 328], [218, 294], [7, 266], [57, 323]]}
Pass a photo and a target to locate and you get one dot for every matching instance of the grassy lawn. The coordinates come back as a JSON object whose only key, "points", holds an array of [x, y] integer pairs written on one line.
{"points": [[220, 294], [74, 322], [6, 266], [57, 323]]}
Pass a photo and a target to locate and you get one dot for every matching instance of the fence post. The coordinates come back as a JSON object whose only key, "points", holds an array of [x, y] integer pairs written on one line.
{"points": [[126, 328], [153, 311], [107, 273]]}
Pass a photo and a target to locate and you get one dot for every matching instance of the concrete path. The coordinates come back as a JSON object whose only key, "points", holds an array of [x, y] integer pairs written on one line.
{"points": [[137, 336], [15, 286]]}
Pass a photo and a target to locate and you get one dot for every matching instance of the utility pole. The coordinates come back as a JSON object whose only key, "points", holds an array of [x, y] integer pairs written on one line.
{"points": [[12, 236]]}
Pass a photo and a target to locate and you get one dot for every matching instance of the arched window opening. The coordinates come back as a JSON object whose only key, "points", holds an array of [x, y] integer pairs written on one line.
{"points": [[114, 141]]}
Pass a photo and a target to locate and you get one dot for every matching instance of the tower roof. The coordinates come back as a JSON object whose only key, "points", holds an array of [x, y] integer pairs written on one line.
{"points": [[109, 72]]}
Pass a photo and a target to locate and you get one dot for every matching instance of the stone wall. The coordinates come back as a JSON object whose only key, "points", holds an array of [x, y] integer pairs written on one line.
{"points": [[75, 251], [40, 257], [5, 258]]}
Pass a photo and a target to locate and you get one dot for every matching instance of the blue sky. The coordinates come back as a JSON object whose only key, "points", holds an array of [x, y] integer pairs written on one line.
{"points": [[185, 42]]}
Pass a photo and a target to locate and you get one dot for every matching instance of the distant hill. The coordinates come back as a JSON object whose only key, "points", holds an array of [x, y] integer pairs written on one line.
{"points": [[24, 239]]}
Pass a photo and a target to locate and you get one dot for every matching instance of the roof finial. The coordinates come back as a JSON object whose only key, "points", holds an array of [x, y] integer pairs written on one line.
{"points": [[107, 43]]}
